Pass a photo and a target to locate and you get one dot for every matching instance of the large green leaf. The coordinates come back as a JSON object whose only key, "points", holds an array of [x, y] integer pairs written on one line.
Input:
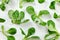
{"points": [[51, 25]]}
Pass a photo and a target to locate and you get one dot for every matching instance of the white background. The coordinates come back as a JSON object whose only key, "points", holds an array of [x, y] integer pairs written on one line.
{"points": [[40, 30]]}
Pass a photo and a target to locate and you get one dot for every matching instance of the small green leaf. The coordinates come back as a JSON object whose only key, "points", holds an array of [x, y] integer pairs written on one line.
{"points": [[30, 10], [15, 15], [33, 17], [41, 1], [2, 6], [51, 25], [10, 14], [29, 0], [31, 31], [12, 31], [43, 23], [55, 15], [10, 38], [43, 12], [25, 21], [52, 5], [7, 1], [2, 20], [34, 38], [22, 32], [21, 15]]}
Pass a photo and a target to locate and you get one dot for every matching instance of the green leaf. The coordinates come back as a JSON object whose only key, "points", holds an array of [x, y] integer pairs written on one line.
{"points": [[31, 31], [10, 14], [57, 0], [29, 0], [52, 5], [12, 31], [50, 37], [33, 17], [55, 16], [22, 32], [43, 23], [2, 6], [21, 15], [2, 20], [25, 21], [43, 12], [34, 38], [16, 21], [51, 25], [10, 38], [41, 1], [7, 1], [30, 10], [15, 15]]}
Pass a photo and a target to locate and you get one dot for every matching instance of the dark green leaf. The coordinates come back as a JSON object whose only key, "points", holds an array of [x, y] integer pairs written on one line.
{"points": [[41, 1], [2, 20], [2, 6], [31, 31], [55, 15], [52, 5], [12, 31], [10, 38], [29, 0], [22, 32]]}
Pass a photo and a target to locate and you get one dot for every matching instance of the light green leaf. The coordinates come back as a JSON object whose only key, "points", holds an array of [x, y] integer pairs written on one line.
{"points": [[30, 10], [10, 14], [21, 15], [34, 38], [51, 25]]}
